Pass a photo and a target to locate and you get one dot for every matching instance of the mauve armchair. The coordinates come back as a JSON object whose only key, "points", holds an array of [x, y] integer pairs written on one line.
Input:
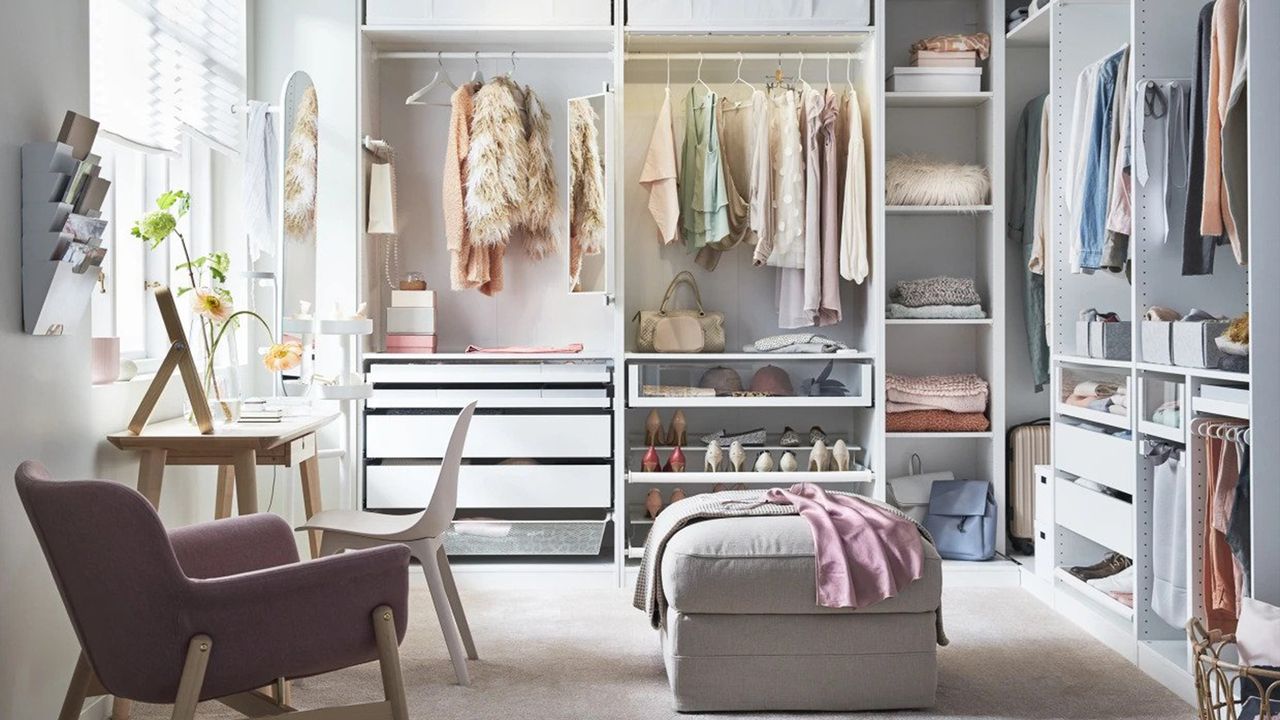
{"points": [[212, 611]]}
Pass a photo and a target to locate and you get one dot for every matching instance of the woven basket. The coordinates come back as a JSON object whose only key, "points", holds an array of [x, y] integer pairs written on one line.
{"points": [[1220, 683]]}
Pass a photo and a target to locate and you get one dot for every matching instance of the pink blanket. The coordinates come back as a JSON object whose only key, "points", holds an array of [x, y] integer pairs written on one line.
{"points": [[862, 554]]}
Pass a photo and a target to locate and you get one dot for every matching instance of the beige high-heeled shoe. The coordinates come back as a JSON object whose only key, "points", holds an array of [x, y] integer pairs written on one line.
{"points": [[653, 502], [713, 457], [676, 496], [788, 462], [737, 456], [653, 428], [677, 435], [840, 455], [764, 462], [819, 457]]}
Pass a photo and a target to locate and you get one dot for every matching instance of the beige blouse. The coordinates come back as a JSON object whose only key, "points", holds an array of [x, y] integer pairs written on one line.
{"points": [[658, 175]]}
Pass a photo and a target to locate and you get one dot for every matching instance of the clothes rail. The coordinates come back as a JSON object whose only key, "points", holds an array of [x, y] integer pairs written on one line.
{"points": [[531, 55], [814, 56], [1223, 429]]}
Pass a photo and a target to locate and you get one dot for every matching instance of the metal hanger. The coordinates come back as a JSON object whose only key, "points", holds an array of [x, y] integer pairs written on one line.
{"points": [[828, 71], [700, 81], [739, 78], [416, 97], [512, 72], [477, 76], [668, 73]]}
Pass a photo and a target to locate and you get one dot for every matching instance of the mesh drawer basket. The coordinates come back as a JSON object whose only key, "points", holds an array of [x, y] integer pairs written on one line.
{"points": [[1226, 690], [525, 537]]}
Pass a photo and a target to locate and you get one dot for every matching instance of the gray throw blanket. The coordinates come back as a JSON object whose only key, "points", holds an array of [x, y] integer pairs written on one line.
{"points": [[649, 596]]}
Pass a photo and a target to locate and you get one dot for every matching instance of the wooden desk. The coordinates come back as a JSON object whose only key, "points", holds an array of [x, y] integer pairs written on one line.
{"points": [[236, 450]]}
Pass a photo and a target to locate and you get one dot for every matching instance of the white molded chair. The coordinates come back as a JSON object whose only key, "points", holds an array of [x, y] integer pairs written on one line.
{"points": [[422, 532]]}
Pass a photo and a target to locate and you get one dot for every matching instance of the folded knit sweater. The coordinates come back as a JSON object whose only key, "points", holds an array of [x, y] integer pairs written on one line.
{"points": [[936, 291]]}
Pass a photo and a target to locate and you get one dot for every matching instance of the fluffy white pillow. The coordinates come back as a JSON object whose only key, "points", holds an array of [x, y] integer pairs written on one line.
{"points": [[1258, 633]]}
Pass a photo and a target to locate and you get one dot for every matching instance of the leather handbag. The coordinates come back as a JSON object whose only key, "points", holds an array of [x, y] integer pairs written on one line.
{"points": [[680, 331], [962, 519]]}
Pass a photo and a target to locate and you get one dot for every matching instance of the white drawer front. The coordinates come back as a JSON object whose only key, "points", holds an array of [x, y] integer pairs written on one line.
{"points": [[1044, 498], [497, 374], [489, 398], [1101, 518], [1045, 550], [398, 487], [1102, 458], [490, 436]]}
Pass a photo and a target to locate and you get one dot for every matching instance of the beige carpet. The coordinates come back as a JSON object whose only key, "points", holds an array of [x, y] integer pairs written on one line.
{"points": [[585, 654]]}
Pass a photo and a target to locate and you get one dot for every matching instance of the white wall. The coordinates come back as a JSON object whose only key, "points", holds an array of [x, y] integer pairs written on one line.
{"points": [[53, 414]]}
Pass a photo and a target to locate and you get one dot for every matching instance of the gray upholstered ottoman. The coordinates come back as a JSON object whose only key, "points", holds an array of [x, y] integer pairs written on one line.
{"points": [[743, 630]]}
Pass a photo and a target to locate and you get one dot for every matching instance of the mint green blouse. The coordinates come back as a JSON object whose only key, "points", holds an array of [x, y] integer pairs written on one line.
{"points": [[704, 200]]}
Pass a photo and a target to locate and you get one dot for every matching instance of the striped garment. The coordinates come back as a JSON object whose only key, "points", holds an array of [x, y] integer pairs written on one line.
{"points": [[649, 595]]}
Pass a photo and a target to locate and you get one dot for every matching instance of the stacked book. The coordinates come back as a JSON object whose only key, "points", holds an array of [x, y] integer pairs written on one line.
{"points": [[411, 321]]}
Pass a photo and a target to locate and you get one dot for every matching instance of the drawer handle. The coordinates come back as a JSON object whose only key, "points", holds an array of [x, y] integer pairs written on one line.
{"points": [[1043, 536]]}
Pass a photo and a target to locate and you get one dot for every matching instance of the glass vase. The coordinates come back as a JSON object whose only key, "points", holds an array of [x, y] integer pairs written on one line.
{"points": [[219, 372]]}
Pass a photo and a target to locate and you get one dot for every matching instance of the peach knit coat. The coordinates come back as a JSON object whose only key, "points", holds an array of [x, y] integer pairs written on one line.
{"points": [[470, 267]]}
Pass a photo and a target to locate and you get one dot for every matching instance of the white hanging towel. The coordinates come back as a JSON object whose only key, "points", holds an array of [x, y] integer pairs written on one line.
{"points": [[1169, 549], [382, 204], [258, 192]]}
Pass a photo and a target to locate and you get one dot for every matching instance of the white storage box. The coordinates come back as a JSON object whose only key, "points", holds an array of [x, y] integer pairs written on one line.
{"points": [[935, 79], [742, 14], [489, 13], [1193, 343], [1157, 342], [411, 320], [413, 298]]}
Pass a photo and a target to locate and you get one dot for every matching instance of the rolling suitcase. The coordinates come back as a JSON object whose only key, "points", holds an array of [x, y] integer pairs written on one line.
{"points": [[1028, 446]]}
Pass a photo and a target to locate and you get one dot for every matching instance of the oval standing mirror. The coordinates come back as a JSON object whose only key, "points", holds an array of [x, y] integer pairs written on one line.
{"points": [[589, 215], [297, 237]]}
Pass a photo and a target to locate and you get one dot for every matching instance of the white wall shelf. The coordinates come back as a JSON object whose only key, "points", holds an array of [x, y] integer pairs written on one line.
{"points": [[717, 358], [902, 99], [790, 401], [749, 478], [937, 209], [1094, 362], [1094, 416], [950, 322], [1214, 406], [940, 435], [1164, 432], [1033, 32], [470, 38], [1204, 373], [1094, 595]]}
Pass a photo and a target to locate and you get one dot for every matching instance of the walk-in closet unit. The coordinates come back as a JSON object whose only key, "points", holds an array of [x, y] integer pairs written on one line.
{"points": [[578, 425]]}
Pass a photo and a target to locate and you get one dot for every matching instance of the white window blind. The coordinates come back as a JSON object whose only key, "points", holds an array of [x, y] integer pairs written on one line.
{"points": [[164, 68]]}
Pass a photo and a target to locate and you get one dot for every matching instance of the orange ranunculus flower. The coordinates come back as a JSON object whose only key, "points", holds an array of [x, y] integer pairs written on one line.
{"points": [[283, 356]]}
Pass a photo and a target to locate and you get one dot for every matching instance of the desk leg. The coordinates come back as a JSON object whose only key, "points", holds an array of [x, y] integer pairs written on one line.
{"points": [[151, 475], [121, 709], [246, 472], [310, 469], [222, 504]]}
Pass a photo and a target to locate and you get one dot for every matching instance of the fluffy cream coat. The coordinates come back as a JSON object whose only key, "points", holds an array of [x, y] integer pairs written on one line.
{"points": [[540, 206], [300, 170], [586, 183], [497, 162]]}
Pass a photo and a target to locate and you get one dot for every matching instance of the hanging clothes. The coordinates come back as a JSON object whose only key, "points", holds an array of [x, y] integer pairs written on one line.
{"points": [[828, 310], [470, 266], [1024, 187], [1215, 215], [1235, 145], [788, 180], [1077, 157], [1220, 581], [733, 122], [1097, 166], [1240, 523], [854, 261], [659, 175], [497, 163], [1169, 536], [760, 194], [539, 209], [1197, 248], [261, 175], [1040, 205], [587, 214], [1119, 223], [812, 134], [704, 214]]}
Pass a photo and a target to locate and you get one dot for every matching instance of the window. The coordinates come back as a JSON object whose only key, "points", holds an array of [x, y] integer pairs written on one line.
{"points": [[164, 75]]}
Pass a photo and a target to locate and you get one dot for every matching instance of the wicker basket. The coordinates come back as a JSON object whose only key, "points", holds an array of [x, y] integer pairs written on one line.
{"points": [[1221, 683]]}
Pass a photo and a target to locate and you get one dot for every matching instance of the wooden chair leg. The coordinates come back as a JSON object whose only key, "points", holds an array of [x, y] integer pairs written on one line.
{"points": [[309, 469], [226, 489], [184, 706], [444, 611], [455, 602], [77, 690], [384, 629], [121, 709]]}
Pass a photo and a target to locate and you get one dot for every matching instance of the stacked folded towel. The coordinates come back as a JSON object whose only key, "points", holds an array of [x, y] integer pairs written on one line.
{"points": [[936, 403], [1100, 395], [1169, 413], [935, 298]]}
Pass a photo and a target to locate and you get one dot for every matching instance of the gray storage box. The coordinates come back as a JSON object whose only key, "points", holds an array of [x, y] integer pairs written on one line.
{"points": [[1111, 340], [1082, 337], [1157, 341], [1193, 343]]}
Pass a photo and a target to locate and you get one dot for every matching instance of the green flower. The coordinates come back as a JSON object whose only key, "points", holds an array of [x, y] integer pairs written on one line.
{"points": [[155, 227]]}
